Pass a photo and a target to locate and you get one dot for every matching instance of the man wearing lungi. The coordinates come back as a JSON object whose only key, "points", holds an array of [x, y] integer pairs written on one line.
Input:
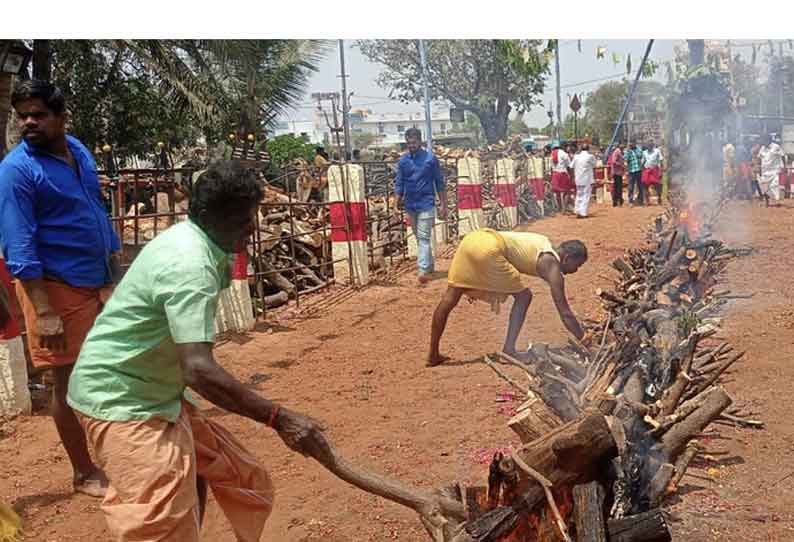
{"points": [[561, 182], [488, 266], [58, 243], [583, 167], [651, 173], [771, 155], [155, 339]]}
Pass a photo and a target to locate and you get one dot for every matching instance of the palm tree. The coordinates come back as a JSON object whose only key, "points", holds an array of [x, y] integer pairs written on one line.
{"points": [[247, 83], [219, 80]]}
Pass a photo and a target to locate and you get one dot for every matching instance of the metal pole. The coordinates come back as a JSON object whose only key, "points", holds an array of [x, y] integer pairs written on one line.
{"points": [[428, 123], [345, 103], [627, 103], [559, 95], [575, 128]]}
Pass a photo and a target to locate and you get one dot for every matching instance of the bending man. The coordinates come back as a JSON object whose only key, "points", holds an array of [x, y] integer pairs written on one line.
{"points": [[488, 266], [155, 338]]}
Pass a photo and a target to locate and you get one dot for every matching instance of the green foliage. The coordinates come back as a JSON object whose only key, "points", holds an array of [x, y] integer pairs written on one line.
{"points": [[488, 78], [604, 105], [285, 148], [111, 99]]}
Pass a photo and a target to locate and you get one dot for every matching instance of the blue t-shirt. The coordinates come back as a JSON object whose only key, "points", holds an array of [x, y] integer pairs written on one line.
{"points": [[53, 221], [418, 180]]}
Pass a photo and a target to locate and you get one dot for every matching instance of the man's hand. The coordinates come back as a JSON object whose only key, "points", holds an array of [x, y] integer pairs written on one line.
{"points": [[443, 212], [400, 203], [114, 263], [49, 327], [301, 433]]}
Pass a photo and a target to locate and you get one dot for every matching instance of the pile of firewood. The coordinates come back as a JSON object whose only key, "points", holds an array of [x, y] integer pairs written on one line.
{"points": [[294, 248], [610, 424]]}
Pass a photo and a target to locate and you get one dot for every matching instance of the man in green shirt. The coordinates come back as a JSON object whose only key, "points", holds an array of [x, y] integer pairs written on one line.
{"points": [[153, 339]]}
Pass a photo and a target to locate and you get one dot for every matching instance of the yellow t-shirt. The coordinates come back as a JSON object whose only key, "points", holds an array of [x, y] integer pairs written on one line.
{"points": [[493, 261], [522, 250]]}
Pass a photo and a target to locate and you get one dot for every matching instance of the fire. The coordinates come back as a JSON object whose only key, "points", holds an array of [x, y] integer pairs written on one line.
{"points": [[691, 221], [540, 525]]}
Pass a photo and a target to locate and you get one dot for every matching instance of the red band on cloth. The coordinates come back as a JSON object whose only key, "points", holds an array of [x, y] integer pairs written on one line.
{"points": [[356, 218], [11, 328], [469, 196], [240, 266], [538, 185], [506, 194]]}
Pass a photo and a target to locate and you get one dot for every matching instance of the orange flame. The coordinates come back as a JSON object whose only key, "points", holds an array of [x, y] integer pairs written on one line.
{"points": [[689, 218]]}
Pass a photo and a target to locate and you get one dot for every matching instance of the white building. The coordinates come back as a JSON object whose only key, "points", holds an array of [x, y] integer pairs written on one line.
{"points": [[314, 130], [391, 127]]}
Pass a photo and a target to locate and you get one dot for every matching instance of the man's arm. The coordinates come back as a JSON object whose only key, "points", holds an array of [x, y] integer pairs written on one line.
{"points": [[399, 189], [441, 189], [18, 233], [203, 374], [549, 270]]}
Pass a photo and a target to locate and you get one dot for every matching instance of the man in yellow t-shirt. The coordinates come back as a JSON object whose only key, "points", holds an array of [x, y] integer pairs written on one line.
{"points": [[488, 266]]}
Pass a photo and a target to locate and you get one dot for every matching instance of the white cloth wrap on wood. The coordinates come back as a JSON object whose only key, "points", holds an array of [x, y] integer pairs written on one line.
{"points": [[14, 393], [469, 173]]}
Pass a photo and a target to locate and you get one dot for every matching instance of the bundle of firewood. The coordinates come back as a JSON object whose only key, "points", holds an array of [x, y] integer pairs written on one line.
{"points": [[611, 423], [293, 249]]}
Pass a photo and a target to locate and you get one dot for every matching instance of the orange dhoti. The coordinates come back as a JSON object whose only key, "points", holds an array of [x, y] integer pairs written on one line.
{"points": [[153, 467], [77, 307]]}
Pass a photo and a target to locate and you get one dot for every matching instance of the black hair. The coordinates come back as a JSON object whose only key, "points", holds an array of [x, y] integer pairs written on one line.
{"points": [[224, 188], [35, 88], [413, 132], [575, 248]]}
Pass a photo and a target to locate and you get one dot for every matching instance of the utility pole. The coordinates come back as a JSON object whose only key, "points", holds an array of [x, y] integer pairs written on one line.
{"points": [[345, 101], [559, 94], [428, 122]]}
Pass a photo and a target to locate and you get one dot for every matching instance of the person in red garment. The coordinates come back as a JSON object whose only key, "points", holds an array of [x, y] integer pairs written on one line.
{"points": [[561, 177]]}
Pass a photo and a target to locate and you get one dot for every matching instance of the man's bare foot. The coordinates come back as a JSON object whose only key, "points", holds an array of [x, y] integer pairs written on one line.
{"points": [[93, 485], [521, 356], [424, 278], [434, 360]]}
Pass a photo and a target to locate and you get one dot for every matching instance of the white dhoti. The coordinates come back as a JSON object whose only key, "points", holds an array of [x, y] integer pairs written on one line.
{"points": [[769, 182], [583, 194]]}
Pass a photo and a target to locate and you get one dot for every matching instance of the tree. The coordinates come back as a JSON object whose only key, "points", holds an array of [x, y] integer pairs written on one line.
{"points": [[603, 106], [285, 148], [148, 90], [517, 126], [487, 78]]}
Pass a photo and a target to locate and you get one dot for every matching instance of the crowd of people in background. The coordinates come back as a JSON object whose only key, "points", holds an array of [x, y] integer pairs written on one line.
{"points": [[576, 169], [757, 170]]}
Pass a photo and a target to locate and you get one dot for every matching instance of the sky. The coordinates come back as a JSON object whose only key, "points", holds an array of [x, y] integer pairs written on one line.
{"points": [[579, 73]]}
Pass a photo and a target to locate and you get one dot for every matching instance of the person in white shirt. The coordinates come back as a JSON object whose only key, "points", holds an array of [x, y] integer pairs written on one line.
{"points": [[561, 183], [583, 164], [651, 173], [771, 165]]}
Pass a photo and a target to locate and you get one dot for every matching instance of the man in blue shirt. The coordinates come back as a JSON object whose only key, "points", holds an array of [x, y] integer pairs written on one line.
{"points": [[418, 181], [58, 243]]}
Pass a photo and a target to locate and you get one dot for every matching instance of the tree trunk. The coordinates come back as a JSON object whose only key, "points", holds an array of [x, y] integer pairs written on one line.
{"points": [[6, 80], [42, 60], [494, 124]]}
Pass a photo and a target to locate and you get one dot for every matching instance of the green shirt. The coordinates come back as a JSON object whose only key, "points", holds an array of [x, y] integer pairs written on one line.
{"points": [[128, 368]]}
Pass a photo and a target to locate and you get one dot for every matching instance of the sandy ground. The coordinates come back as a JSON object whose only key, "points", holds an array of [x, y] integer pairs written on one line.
{"points": [[359, 367]]}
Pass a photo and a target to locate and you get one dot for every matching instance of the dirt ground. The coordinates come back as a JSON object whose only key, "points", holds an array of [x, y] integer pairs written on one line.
{"points": [[359, 367]]}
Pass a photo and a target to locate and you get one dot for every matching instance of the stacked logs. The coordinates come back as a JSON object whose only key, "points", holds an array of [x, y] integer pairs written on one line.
{"points": [[611, 423], [293, 249]]}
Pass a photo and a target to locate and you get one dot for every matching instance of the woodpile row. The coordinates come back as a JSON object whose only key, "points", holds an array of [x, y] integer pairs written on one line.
{"points": [[609, 425], [291, 254]]}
